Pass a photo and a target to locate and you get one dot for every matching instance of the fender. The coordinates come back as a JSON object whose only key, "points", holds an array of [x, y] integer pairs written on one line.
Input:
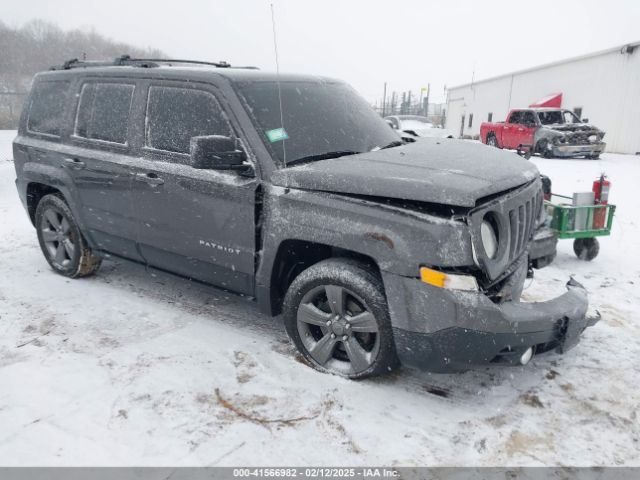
{"points": [[398, 240], [35, 165]]}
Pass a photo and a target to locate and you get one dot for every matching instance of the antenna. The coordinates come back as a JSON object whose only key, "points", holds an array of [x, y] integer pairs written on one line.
{"points": [[275, 48]]}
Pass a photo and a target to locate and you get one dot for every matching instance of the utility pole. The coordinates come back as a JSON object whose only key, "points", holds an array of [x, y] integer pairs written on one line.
{"points": [[426, 101], [384, 100], [421, 105]]}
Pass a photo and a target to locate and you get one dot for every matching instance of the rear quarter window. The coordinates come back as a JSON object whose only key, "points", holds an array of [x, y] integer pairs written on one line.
{"points": [[103, 112], [47, 107]]}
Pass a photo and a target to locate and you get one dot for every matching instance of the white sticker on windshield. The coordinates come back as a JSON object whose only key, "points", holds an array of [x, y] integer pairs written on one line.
{"points": [[276, 135]]}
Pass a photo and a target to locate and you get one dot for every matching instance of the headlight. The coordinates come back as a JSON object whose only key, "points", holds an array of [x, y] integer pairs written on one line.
{"points": [[593, 138], [489, 236]]}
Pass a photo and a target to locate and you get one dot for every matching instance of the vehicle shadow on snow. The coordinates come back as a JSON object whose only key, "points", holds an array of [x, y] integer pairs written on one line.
{"points": [[231, 309], [189, 295], [471, 386]]}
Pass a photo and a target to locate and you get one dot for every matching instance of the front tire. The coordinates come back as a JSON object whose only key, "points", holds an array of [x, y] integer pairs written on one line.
{"points": [[336, 314], [61, 242], [543, 149]]}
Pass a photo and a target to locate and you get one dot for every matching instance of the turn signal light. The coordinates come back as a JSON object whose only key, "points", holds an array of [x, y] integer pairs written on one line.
{"points": [[448, 280]]}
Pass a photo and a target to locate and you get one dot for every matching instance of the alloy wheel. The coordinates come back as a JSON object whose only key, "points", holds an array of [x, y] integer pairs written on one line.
{"points": [[338, 330], [58, 238]]}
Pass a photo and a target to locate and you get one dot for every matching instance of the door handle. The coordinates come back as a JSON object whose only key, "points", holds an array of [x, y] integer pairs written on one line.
{"points": [[520, 129], [74, 163], [149, 178]]}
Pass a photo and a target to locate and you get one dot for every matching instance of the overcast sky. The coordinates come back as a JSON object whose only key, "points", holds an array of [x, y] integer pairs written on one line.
{"points": [[406, 43]]}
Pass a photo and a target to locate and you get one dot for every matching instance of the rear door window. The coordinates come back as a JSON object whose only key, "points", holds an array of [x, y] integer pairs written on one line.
{"points": [[103, 112], [47, 106], [175, 115]]}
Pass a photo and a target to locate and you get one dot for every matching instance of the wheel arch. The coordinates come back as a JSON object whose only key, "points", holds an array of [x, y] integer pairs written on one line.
{"points": [[35, 180], [35, 192], [292, 257]]}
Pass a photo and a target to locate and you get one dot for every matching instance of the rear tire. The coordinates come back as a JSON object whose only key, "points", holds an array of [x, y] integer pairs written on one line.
{"points": [[586, 248], [61, 241], [336, 314], [492, 141]]}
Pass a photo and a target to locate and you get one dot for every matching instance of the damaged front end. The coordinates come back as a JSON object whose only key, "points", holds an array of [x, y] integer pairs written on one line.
{"points": [[442, 329], [570, 140]]}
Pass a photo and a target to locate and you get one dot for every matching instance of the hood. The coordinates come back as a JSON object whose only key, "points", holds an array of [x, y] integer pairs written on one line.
{"points": [[447, 172], [573, 127]]}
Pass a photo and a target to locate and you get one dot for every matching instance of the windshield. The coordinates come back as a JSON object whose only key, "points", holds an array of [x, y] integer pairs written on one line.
{"points": [[570, 117], [319, 118], [552, 117]]}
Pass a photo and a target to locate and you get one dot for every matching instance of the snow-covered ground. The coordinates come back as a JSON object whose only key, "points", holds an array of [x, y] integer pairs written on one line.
{"points": [[128, 368]]}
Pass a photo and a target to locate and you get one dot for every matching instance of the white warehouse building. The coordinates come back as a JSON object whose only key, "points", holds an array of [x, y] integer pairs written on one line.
{"points": [[603, 87]]}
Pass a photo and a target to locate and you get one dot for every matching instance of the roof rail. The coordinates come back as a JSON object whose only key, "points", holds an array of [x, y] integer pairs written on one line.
{"points": [[126, 60]]}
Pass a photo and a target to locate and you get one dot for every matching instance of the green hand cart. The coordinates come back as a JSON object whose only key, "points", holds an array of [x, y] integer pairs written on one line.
{"points": [[583, 223]]}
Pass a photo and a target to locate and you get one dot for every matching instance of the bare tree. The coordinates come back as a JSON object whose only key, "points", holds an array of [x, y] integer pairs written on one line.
{"points": [[37, 45]]}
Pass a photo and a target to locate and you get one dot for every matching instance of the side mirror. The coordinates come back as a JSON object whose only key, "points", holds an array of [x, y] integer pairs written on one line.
{"points": [[215, 152], [390, 123], [585, 120]]}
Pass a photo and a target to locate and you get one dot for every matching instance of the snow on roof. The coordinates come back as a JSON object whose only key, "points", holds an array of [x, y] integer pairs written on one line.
{"points": [[191, 71]]}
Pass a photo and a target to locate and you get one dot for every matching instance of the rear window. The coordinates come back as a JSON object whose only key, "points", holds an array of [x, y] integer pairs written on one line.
{"points": [[516, 117], [175, 115], [46, 109], [103, 112]]}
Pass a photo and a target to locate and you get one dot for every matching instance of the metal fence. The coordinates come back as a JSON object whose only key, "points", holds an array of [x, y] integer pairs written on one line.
{"points": [[436, 111]]}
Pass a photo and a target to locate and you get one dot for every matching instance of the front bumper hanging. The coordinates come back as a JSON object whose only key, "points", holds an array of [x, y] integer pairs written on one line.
{"points": [[444, 330]]}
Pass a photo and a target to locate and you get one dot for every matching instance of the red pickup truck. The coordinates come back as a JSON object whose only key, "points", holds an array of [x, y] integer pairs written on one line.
{"points": [[551, 132]]}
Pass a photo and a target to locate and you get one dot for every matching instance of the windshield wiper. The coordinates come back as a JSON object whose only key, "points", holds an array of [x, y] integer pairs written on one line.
{"points": [[395, 143], [321, 156]]}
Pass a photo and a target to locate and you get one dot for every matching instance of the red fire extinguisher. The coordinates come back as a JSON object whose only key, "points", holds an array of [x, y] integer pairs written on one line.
{"points": [[601, 189]]}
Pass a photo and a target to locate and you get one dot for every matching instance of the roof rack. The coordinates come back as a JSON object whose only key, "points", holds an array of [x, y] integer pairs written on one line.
{"points": [[126, 60]]}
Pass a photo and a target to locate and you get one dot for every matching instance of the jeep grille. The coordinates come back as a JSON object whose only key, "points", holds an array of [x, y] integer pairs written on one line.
{"points": [[522, 220], [517, 213]]}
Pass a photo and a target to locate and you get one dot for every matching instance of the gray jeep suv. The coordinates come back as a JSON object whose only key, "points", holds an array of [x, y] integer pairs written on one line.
{"points": [[291, 190]]}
